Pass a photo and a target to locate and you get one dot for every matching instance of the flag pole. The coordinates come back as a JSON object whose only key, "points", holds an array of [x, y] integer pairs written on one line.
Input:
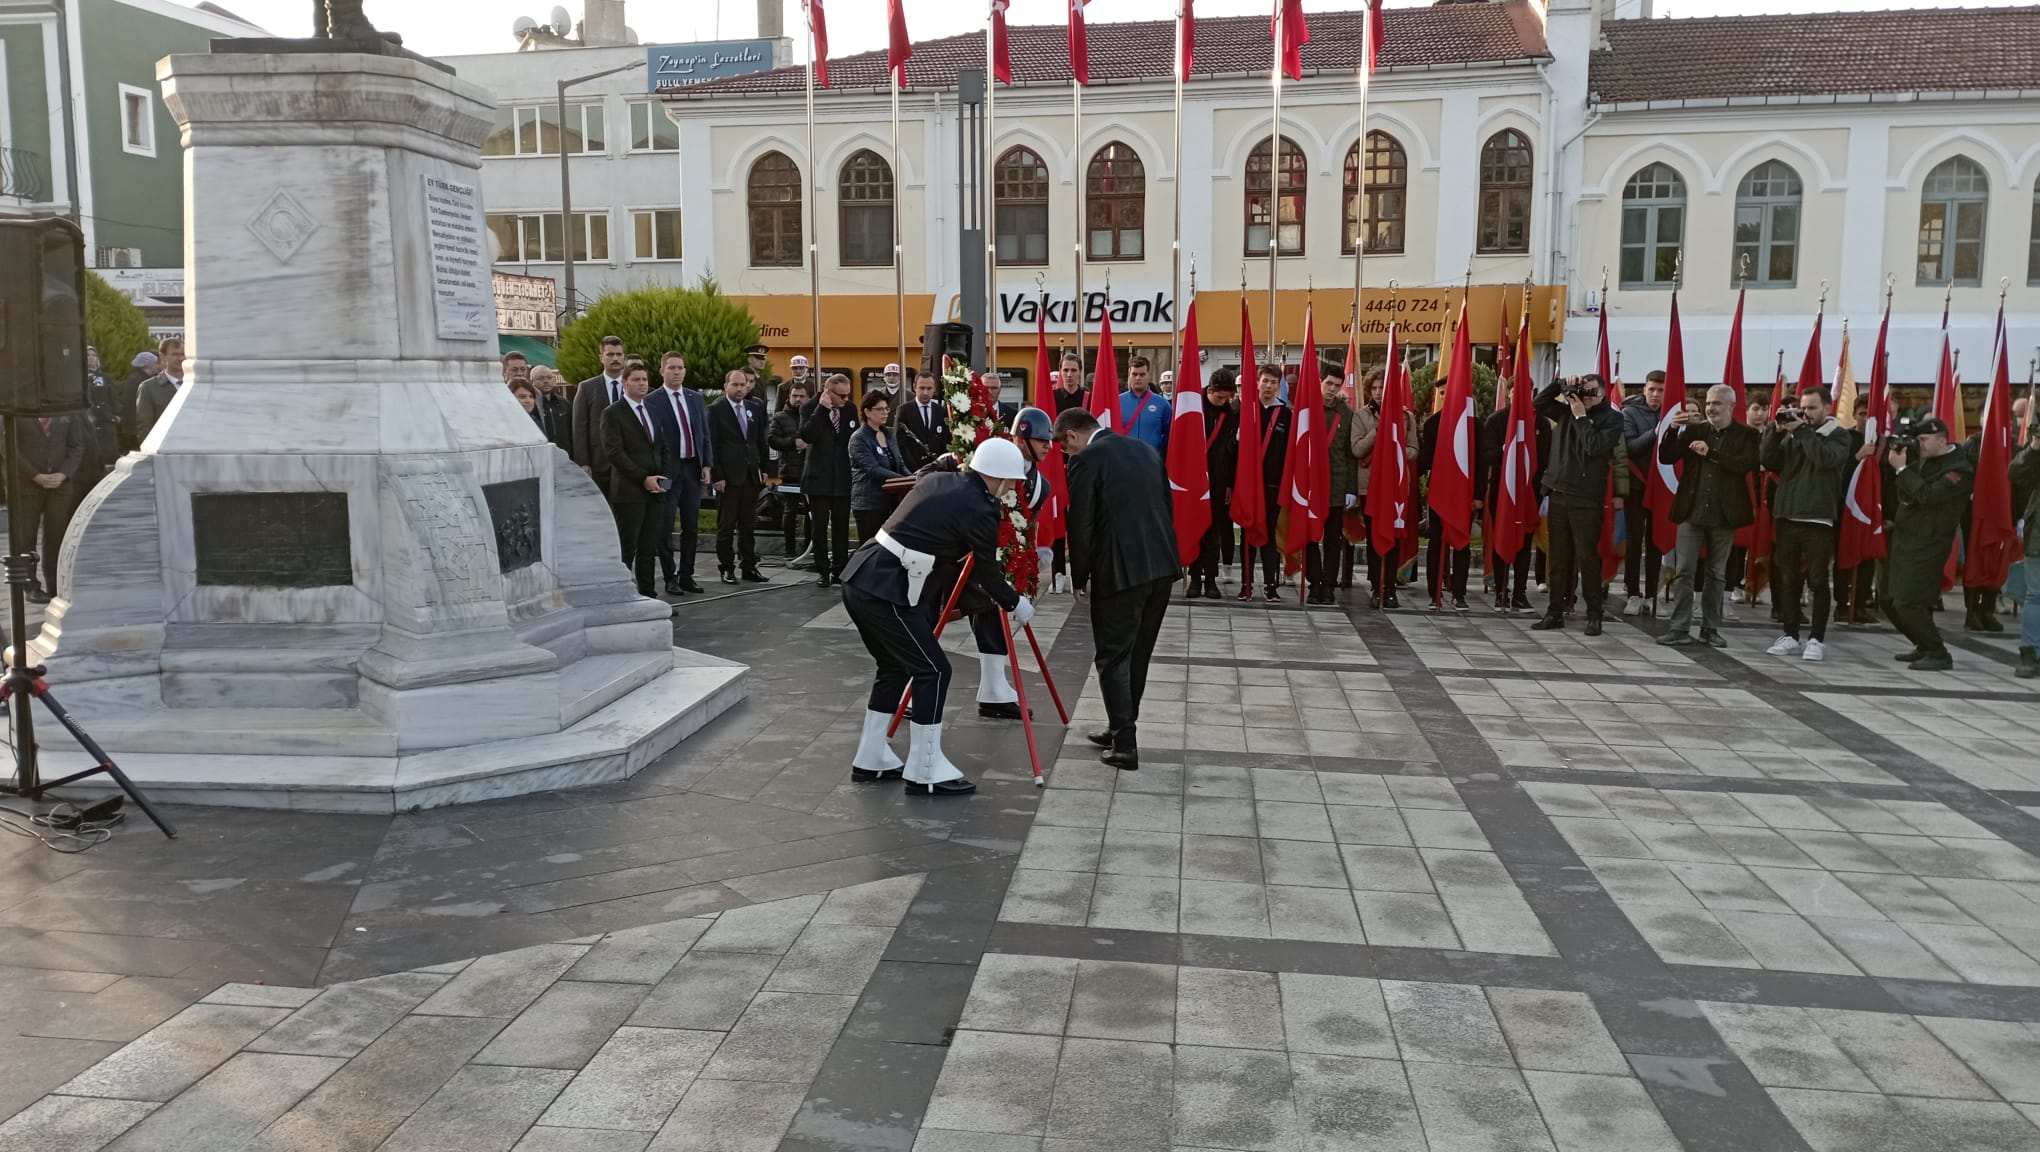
{"points": [[899, 263], [989, 207], [1275, 180], [1176, 219], [1080, 175], [813, 199], [1360, 174]]}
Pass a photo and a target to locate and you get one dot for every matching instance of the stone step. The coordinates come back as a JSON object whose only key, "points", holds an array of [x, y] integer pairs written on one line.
{"points": [[235, 732], [592, 683]]}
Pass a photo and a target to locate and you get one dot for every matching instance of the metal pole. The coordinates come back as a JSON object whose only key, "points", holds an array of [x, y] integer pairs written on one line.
{"points": [[1082, 175], [20, 572], [1360, 219], [989, 154], [898, 261], [566, 203], [1275, 174], [814, 220], [1176, 220]]}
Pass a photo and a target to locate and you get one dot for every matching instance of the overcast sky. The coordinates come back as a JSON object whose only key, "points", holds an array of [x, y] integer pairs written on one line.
{"points": [[453, 27]]}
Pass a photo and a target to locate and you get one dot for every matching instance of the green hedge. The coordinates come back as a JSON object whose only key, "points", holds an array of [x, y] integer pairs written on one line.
{"points": [[700, 323]]}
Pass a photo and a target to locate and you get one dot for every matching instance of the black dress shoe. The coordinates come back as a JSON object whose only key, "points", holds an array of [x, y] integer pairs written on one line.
{"points": [[824, 580], [1389, 601], [688, 585], [729, 577], [673, 588], [38, 596], [1102, 738], [1713, 639], [945, 788], [1211, 590], [753, 576], [1127, 761], [1006, 711], [867, 776], [1593, 626], [1933, 662], [1547, 623], [1908, 657]]}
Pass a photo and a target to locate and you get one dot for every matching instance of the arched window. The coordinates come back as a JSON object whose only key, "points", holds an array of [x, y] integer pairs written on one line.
{"points": [[864, 206], [774, 196], [1277, 206], [1115, 204], [1388, 177], [2033, 253], [1767, 226], [1505, 193], [1952, 206], [1020, 207], [1653, 224]]}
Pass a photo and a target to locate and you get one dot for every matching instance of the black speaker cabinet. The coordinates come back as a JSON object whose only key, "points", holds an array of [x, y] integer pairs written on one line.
{"points": [[42, 317]]}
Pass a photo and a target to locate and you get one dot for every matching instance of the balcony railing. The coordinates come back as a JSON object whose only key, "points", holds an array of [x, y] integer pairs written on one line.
{"points": [[24, 175]]}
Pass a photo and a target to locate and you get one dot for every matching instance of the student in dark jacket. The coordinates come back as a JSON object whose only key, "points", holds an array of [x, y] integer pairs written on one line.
{"points": [[1444, 575], [737, 471], [1584, 444], [1274, 450], [1640, 415], [1123, 554], [1716, 456], [874, 459], [638, 475], [827, 480], [1511, 578], [783, 435], [1809, 451], [51, 451], [1221, 458]]}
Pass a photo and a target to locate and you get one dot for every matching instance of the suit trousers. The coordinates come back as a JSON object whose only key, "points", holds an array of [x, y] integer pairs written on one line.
{"points": [[1512, 579], [1124, 625], [869, 521], [1804, 553], [1914, 619], [1321, 556], [1716, 544], [1640, 556], [794, 521], [1436, 578], [683, 500], [832, 532], [736, 526], [902, 641], [1575, 531], [1216, 546], [1270, 553], [49, 509], [639, 530]]}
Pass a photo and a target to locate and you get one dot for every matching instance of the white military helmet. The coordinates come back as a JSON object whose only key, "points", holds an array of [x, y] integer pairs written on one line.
{"points": [[999, 459], [800, 362]]}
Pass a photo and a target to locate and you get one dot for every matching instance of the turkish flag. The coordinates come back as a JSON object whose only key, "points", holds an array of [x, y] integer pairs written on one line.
{"points": [[1661, 484], [1291, 34], [1049, 523], [1103, 400], [1732, 367], [899, 46], [1305, 471], [1189, 472], [1388, 473], [1993, 525], [1948, 392], [1186, 40], [818, 29], [1377, 33], [1002, 60], [1809, 368], [1453, 468], [1080, 52], [1249, 509], [1862, 534], [1517, 517]]}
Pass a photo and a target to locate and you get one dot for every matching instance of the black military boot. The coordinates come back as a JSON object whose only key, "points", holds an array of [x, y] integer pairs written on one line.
{"points": [[2029, 664]]}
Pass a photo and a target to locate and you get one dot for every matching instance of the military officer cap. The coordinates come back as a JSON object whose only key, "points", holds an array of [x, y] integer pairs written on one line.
{"points": [[1931, 426], [757, 350]]}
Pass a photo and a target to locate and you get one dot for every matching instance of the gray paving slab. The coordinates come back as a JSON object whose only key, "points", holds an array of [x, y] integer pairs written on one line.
{"points": [[359, 1106], [878, 904], [567, 1024], [2005, 1053], [707, 990], [635, 1081], [504, 984], [996, 1082], [781, 1037], [1445, 1023], [1336, 1015], [348, 1017], [771, 927], [544, 1139], [233, 1103], [1477, 1109], [71, 1124], [639, 955], [1784, 1048], [173, 1055], [1114, 1093], [1555, 1031], [1020, 994], [1118, 1001], [1234, 1098], [1589, 1113], [1348, 1102], [481, 1109], [1228, 1009], [836, 958], [730, 1116]]}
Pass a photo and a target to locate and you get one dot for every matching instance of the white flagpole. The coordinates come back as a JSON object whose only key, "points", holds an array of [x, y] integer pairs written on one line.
{"points": [[814, 259], [1082, 175], [1176, 218], [1275, 173], [1360, 218], [991, 157], [899, 263]]}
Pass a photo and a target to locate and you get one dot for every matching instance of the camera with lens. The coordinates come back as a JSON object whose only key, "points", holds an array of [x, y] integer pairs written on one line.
{"points": [[1903, 440], [1789, 416], [1576, 387]]}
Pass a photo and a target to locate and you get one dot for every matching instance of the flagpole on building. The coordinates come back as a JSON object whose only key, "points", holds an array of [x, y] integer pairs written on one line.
{"points": [[1176, 215], [1079, 177], [813, 197], [990, 206], [898, 262], [1367, 49], [1275, 173]]}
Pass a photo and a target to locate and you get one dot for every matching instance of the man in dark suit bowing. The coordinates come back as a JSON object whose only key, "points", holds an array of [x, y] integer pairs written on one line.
{"points": [[826, 479], [737, 463], [591, 400], [1123, 556], [681, 420], [639, 468], [923, 423]]}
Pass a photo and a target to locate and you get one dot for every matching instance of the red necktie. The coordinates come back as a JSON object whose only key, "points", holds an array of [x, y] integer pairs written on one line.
{"points": [[640, 410], [836, 419], [680, 417], [46, 425]]}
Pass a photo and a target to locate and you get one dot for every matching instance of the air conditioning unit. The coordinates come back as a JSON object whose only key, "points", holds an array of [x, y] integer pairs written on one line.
{"points": [[120, 257]]}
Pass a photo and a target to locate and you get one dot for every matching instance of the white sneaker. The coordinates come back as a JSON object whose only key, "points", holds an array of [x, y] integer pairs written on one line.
{"points": [[1736, 597], [1814, 651], [1783, 646], [1633, 606]]}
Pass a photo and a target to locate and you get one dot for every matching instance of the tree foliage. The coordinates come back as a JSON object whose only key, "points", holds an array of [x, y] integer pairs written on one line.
{"points": [[1424, 381], [114, 325], [700, 323]]}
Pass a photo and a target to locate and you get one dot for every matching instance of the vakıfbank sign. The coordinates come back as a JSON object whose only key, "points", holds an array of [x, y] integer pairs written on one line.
{"points": [[670, 67], [1141, 308]]}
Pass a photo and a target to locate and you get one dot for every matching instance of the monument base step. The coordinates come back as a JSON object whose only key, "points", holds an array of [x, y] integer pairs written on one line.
{"points": [[613, 742]]}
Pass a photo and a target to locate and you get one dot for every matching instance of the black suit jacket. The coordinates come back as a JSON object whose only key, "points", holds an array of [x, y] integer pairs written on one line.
{"points": [[828, 455], [738, 455], [61, 449], [948, 515], [1120, 527], [921, 441], [660, 403], [591, 400], [555, 417], [632, 455]]}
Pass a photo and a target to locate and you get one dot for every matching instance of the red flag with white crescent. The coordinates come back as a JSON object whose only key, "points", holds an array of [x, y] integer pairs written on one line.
{"points": [[1388, 472], [1002, 59], [1249, 508], [1186, 40], [1377, 32], [818, 29], [1452, 470], [1049, 522], [899, 45], [1301, 500], [1291, 34], [1080, 51], [1661, 484], [1189, 470], [1103, 400], [1862, 533], [1517, 517], [1993, 524]]}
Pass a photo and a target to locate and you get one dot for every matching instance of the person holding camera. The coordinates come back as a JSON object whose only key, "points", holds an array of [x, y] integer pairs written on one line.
{"points": [[1933, 482], [1808, 450], [1713, 501], [2026, 494], [1583, 446]]}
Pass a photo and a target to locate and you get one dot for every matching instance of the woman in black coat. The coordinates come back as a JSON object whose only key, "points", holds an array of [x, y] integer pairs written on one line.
{"points": [[874, 459]]}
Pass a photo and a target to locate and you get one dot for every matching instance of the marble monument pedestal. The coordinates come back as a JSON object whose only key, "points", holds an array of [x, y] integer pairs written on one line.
{"points": [[346, 571]]}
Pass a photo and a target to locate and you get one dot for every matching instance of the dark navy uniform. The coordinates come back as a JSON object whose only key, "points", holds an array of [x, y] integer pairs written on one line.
{"points": [[984, 618], [948, 515]]}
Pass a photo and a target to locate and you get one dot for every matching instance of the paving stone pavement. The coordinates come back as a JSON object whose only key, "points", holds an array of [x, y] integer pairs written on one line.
{"points": [[1405, 881]]}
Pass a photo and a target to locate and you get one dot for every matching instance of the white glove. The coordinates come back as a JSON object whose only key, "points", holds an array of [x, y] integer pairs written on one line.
{"points": [[1044, 557], [1023, 612], [1349, 499]]}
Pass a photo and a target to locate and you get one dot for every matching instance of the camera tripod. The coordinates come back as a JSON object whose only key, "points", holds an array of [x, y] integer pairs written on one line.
{"points": [[24, 682]]}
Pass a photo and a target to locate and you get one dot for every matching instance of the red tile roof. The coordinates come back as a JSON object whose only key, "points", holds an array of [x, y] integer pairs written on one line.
{"points": [[1818, 54], [1445, 34]]}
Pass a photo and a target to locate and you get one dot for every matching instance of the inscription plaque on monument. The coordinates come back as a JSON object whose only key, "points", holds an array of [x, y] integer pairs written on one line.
{"points": [[272, 539], [463, 295], [513, 510]]}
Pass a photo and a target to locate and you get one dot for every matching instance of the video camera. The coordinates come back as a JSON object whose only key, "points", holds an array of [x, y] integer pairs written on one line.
{"points": [[1789, 416], [1903, 439]]}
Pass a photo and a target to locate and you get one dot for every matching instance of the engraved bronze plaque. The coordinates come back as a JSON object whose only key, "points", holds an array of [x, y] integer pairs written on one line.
{"points": [[513, 510], [272, 539]]}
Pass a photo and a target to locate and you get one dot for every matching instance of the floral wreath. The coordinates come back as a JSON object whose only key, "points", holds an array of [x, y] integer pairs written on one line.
{"points": [[974, 406]]}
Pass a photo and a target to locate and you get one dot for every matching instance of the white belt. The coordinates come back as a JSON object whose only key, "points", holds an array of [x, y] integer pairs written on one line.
{"points": [[917, 564]]}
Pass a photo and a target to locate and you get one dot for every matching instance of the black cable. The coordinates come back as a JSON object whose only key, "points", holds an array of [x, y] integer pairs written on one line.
{"points": [[60, 829]]}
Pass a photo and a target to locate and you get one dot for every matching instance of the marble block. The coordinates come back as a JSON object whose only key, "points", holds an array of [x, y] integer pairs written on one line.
{"points": [[298, 592]]}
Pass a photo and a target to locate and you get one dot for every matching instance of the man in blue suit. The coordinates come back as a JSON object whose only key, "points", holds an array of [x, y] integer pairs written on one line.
{"points": [[1143, 413], [682, 421]]}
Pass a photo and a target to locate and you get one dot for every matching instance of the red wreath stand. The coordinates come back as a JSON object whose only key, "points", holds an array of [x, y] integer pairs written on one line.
{"points": [[1019, 685]]}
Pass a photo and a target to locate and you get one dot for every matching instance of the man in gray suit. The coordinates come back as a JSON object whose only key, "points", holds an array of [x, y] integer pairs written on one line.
{"points": [[45, 477], [591, 399], [155, 393], [1123, 556]]}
